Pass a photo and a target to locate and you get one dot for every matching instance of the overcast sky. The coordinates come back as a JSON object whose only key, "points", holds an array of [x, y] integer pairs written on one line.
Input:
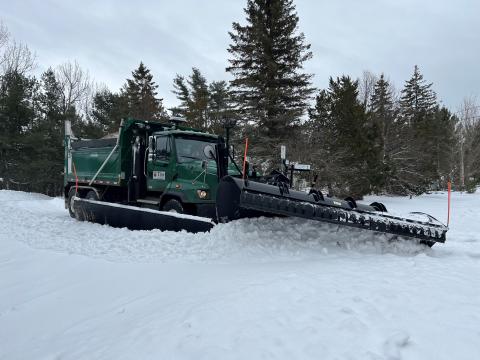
{"points": [[110, 38]]}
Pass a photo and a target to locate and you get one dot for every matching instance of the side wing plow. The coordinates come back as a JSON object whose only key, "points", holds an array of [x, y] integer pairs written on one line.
{"points": [[136, 218], [237, 198]]}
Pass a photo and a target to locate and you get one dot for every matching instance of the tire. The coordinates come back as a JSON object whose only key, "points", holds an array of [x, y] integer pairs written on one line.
{"points": [[173, 205], [71, 195]]}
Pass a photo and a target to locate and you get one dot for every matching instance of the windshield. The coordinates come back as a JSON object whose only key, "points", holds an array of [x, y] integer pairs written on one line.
{"points": [[189, 148]]}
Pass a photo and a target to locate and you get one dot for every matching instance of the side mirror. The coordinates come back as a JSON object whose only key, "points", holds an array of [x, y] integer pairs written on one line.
{"points": [[209, 152]]}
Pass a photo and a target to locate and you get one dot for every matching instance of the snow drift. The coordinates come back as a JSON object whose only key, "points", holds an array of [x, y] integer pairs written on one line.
{"points": [[255, 288]]}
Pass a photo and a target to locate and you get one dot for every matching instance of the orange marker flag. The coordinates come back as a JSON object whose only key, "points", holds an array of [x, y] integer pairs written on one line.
{"points": [[76, 178], [245, 157], [449, 201]]}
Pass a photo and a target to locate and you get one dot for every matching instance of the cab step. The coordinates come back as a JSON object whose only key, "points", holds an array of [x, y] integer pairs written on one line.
{"points": [[148, 201]]}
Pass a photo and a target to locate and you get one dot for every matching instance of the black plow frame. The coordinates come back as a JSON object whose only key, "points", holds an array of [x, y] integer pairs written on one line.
{"points": [[355, 218], [237, 198]]}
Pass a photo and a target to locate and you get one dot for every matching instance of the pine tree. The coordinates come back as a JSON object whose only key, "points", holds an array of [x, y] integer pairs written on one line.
{"points": [[267, 55], [140, 94], [320, 119], [181, 90], [382, 107], [219, 107], [17, 116], [418, 99], [107, 111], [341, 136], [351, 125], [193, 95], [203, 105], [44, 143], [445, 140], [199, 99], [320, 147], [417, 108], [382, 123]]}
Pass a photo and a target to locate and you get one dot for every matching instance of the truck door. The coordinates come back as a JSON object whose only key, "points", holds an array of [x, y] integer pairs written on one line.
{"points": [[160, 168]]}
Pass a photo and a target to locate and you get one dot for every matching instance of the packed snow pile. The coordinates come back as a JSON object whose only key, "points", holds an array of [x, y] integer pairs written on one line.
{"points": [[250, 289]]}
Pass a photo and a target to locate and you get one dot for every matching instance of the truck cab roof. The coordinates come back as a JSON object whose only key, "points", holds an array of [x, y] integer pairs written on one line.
{"points": [[164, 128], [185, 132]]}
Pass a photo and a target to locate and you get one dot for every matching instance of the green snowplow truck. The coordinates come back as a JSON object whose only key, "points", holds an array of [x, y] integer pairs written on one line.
{"points": [[153, 165], [168, 176]]}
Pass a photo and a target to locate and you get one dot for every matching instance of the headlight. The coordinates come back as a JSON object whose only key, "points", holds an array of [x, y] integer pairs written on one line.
{"points": [[202, 194]]}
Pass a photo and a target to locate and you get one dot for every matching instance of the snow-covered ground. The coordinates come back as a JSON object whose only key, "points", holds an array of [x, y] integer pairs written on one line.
{"points": [[252, 289]]}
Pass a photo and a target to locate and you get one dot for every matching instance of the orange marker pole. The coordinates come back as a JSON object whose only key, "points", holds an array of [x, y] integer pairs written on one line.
{"points": [[449, 201], [245, 157], [76, 178]]}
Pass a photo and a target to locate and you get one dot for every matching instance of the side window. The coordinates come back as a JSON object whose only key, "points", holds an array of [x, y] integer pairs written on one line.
{"points": [[163, 146]]}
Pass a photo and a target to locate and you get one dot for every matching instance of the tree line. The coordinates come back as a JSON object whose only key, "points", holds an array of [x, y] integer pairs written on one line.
{"points": [[361, 135]]}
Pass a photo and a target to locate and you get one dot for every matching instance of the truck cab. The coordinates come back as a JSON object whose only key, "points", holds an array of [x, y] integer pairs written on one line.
{"points": [[181, 168]]}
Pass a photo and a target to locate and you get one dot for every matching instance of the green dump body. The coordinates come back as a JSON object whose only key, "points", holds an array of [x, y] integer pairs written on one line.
{"points": [[87, 156], [85, 161]]}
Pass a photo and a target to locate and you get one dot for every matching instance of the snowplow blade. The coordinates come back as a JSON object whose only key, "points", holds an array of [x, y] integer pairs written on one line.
{"points": [[135, 218], [238, 198]]}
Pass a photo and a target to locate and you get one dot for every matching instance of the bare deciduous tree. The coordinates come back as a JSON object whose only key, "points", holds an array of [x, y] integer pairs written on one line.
{"points": [[469, 129], [14, 56], [4, 34], [75, 85], [18, 58], [366, 86]]}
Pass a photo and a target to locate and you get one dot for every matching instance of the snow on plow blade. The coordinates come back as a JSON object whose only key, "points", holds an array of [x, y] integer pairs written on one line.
{"points": [[135, 218], [237, 198]]}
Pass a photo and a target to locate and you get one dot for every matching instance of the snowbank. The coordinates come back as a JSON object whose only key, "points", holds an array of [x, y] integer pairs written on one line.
{"points": [[258, 288]]}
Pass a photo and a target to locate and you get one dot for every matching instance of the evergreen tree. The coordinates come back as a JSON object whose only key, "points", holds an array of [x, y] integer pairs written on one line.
{"points": [[320, 119], [352, 135], [417, 107], [384, 142], [339, 123], [397, 171], [320, 147], [418, 99], [203, 105], [219, 107], [193, 96], [468, 133], [267, 55], [199, 95], [445, 141], [181, 90], [44, 143], [107, 111], [140, 95], [17, 116], [51, 117]]}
